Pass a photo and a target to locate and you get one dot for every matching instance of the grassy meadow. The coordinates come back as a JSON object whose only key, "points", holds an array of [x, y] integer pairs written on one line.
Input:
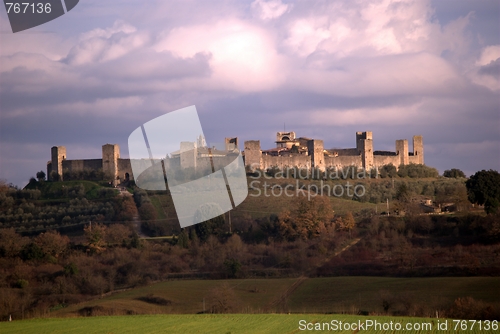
{"points": [[222, 323], [297, 295]]}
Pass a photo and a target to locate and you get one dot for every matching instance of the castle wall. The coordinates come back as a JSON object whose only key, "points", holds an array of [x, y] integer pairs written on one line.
{"points": [[124, 167], [345, 160], [292, 160], [381, 160], [81, 165], [346, 151], [361, 156], [172, 163], [414, 159], [221, 162]]}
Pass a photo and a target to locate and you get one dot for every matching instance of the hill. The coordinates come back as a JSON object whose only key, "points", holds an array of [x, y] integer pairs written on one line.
{"points": [[297, 295]]}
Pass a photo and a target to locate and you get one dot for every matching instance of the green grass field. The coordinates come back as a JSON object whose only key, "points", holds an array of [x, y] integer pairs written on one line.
{"points": [[228, 324], [298, 295], [186, 296], [342, 294]]}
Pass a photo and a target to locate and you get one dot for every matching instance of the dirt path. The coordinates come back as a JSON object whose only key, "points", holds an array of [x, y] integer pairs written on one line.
{"points": [[280, 303], [312, 272]]}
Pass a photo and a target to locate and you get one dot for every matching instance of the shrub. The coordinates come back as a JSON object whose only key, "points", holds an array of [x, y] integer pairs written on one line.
{"points": [[469, 308], [454, 173]]}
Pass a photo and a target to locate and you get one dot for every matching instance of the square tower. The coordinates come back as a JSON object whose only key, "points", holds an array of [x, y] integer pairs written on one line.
{"points": [[364, 146], [402, 151], [231, 143], [360, 136], [418, 149], [253, 155], [316, 151], [58, 154], [110, 156]]}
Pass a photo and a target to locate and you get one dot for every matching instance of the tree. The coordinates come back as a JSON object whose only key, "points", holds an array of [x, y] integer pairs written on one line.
{"points": [[232, 266], [214, 226], [307, 219], [52, 243], [147, 211], [40, 175], [347, 223], [117, 234], [11, 243], [483, 188], [222, 299], [403, 193], [388, 171], [31, 251], [454, 173], [95, 234]]}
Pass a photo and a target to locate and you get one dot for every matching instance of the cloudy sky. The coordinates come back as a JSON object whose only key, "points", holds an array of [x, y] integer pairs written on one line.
{"points": [[325, 68]]}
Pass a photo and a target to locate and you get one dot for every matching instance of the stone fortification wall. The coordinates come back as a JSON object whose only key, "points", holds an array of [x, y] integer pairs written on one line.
{"points": [[124, 168], [345, 151], [81, 165], [361, 156], [221, 162], [414, 159], [381, 160], [343, 161], [289, 160]]}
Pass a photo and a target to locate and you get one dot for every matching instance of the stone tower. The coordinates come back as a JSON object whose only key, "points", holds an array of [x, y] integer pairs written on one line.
{"points": [[58, 154], [110, 156], [418, 149], [253, 154], [285, 139], [316, 151], [364, 145], [402, 151]]}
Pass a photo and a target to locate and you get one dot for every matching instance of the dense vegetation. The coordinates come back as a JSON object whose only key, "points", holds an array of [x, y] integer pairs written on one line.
{"points": [[65, 206], [303, 236]]}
